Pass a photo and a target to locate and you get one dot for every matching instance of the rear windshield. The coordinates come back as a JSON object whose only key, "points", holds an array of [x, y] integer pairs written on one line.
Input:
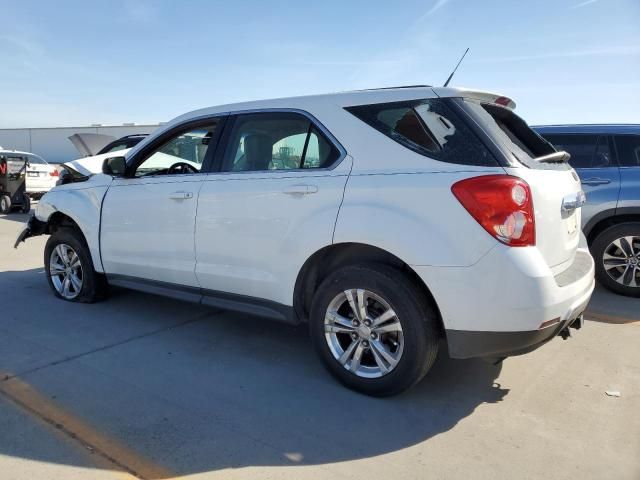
{"points": [[511, 132], [428, 127]]}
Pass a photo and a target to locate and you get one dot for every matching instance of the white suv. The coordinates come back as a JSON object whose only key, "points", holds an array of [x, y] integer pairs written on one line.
{"points": [[387, 219]]}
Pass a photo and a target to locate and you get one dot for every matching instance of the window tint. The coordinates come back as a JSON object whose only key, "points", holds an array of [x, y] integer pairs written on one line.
{"points": [[428, 127], [182, 154], [628, 147], [276, 141], [587, 151]]}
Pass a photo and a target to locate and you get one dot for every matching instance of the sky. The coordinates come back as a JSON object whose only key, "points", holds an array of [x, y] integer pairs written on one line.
{"points": [[73, 63]]}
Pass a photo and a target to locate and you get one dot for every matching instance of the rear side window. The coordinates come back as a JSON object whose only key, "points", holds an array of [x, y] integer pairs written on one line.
{"points": [[428, 127], [587, 151], [628, 147]]}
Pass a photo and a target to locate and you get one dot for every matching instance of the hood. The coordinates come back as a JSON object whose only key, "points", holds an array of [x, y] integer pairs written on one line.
{"points": [[88, 144], [92, 165]]}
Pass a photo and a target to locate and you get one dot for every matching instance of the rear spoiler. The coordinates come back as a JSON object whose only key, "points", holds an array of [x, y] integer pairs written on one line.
{"points": [[479, 95], [555, 157]]}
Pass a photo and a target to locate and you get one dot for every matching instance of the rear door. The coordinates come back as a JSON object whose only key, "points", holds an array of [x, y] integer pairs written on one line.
{"points": [[273, 202], [628, 149], [593, 159]]}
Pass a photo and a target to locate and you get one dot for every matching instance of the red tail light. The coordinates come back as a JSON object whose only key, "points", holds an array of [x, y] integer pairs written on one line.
{"points": [[54, 173], [502, 204]]}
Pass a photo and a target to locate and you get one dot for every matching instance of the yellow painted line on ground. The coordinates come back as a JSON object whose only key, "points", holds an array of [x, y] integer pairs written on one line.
{"points": [[107, 453], [602, 317]]}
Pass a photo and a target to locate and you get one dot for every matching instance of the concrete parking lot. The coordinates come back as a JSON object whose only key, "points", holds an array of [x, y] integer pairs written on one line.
{"points": [[142, 386]]}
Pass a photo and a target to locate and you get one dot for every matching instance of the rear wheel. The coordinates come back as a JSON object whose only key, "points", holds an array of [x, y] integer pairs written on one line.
{"points": [[617, 256], [69, 268], [5, 204], [373, 329]]}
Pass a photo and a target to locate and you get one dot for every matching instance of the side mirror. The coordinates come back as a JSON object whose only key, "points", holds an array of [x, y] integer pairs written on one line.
{"points": [[114, 166]]}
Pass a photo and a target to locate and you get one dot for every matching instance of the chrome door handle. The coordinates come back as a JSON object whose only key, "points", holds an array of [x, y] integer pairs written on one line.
{"points": [[300, 189], [595, 181], [180, 195]]}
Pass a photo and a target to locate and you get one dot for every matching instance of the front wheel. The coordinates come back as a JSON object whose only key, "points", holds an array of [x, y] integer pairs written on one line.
{"points": [[616, 252], [69, 268], [373, 329]]}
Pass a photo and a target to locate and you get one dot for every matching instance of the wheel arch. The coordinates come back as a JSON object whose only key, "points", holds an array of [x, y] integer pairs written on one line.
{"points": [[609, 218], [326, 260]]}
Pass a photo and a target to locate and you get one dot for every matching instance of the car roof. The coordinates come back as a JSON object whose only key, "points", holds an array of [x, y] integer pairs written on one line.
{"points": [[603, 128], [18, 152], [342, 99]]}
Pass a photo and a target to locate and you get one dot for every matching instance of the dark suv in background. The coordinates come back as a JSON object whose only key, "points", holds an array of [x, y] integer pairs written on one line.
{"points": [[607, 159]]}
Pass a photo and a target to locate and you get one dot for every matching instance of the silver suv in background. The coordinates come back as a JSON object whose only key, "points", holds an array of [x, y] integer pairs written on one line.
{"points": [[607, 159]]}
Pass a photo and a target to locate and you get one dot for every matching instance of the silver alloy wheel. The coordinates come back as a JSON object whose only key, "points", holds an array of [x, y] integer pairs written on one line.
{"points": [[621, 261], [363, 333], [66, 273]]}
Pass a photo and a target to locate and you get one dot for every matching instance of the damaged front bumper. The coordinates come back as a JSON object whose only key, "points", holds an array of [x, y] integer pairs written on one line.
{"points": [[32, 228]]}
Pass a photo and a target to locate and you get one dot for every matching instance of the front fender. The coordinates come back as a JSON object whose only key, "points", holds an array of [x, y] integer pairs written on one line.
{"points": [[82, 204]]}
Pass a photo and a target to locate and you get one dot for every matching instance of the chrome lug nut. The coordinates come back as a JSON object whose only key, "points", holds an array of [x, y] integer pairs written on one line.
{"points": [[355, 323]]}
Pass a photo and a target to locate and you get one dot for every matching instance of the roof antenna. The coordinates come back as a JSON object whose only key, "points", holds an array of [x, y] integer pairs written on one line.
{"points": [[454, 70]]}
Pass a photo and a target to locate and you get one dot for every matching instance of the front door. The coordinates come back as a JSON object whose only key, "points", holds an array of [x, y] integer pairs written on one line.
{"points": [[148, 218]]}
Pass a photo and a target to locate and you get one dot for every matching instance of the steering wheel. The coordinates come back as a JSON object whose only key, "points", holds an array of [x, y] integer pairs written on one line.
{"points": [[182, 168]]}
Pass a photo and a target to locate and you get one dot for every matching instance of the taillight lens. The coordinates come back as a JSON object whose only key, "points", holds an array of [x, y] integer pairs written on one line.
{"points": [[502, 204], [54, 173]]}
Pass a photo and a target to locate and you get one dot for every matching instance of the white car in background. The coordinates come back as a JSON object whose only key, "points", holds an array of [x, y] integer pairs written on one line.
{"points": [[41, 176]]}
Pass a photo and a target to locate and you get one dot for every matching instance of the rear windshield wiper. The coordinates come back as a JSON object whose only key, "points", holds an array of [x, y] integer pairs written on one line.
{"points": [[555, 157]]}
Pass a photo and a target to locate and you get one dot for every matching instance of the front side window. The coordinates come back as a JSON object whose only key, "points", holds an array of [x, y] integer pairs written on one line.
{"points": [[184, 153], [276, 141], [428, 127], [587, 151], [628, 147]]}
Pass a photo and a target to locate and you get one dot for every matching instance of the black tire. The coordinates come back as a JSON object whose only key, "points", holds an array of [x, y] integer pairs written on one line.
{"points": [[26, 205], [94, 285], [598, 249], [5, 204], [414, 311]]}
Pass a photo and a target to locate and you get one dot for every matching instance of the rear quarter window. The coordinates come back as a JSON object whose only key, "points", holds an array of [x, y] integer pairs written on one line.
{"points": [[428, 127]]}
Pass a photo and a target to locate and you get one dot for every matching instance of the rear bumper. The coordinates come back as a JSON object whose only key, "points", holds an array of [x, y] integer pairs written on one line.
{"points": [[471, 344], [501, 306]]}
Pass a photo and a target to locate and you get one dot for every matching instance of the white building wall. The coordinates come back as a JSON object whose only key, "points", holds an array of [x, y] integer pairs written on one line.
{"points": [[53, 144]]}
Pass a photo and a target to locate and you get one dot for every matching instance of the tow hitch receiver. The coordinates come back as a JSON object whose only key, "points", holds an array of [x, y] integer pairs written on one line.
{"points": [[576, 323]]}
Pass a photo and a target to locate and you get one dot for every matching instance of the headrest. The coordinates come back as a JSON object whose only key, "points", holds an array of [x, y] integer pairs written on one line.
{"points": [[258, 151]]}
